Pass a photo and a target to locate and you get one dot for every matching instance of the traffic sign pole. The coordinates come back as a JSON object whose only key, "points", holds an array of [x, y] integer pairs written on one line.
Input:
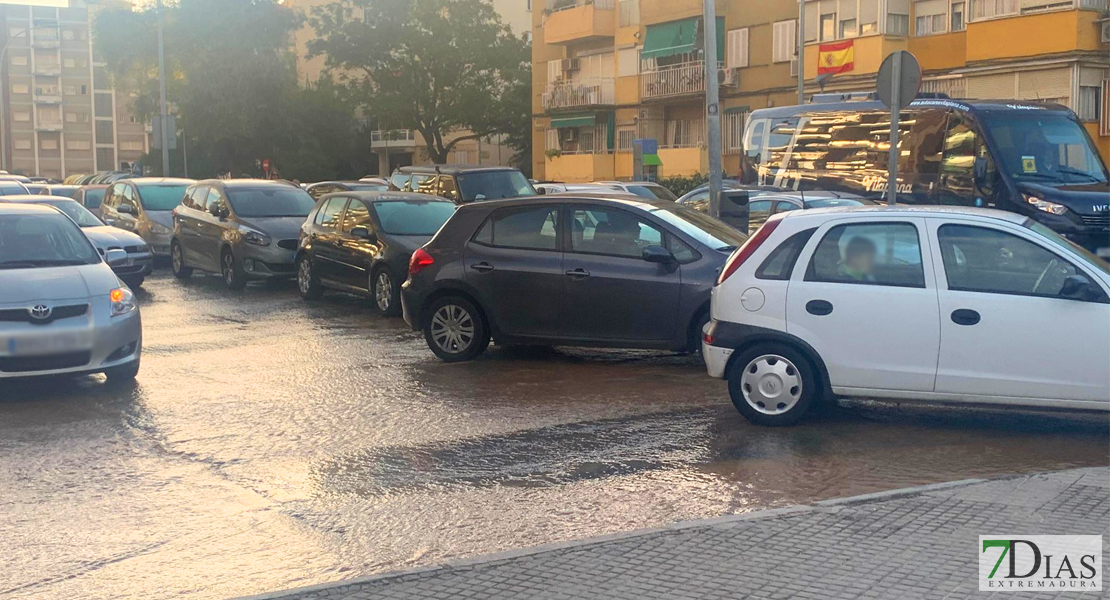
{"points": [[895, 117], [898, 82]]}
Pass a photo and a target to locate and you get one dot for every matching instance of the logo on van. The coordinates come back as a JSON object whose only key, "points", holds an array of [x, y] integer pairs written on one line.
{"points": [[1101, 208], [873, 183]]}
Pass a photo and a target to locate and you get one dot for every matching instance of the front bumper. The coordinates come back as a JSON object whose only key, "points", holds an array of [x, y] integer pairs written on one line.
{"points": [[159, 243], [138, 264], [266, 262], [116, 341]]}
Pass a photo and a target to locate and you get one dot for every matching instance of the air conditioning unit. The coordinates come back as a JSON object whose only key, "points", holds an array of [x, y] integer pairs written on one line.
{"points": [[728, 77], [570, 64], [1105, 30], [793, 67]]}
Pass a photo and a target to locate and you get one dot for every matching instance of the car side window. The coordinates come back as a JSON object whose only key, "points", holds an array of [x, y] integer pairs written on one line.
{"points": [[357, 215], [127, 196], [399, 180], [699, 201], [214, 199], [320, 191], [331, 212], [785, 206], [979, 259], [424, 184], [758, 213], [869, 254], [780, 262], [532, 228], [198, 197], [448, 189], [682, 251], [612, 232]]}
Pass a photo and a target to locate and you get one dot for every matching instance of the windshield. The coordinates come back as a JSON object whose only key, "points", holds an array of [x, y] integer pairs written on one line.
{"points": [[28, 241], [161, 197], [63, 191], [1063, 242], [270, 201], [413, 218], [11, 188], [93, 198], [75, 211], [493, 185], [652, 192], [1044, 146], [368, 187], [702, 227]]}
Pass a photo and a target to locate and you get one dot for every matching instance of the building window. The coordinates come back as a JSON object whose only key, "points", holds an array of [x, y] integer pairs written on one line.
{"points": [[629, 13], [22, 117], [1090, 103], [19, 60], [733, 130], [49, 144], [78, 145], [685, 133], [784, 41], [897, 24], [21, 88], [736, 51], [628, 62], [828, 27], [69, 63], [868, 16], [70, 90], [959, 23], [929, 24], [848, 29], [625, 137], [23, 144], [68, 35]]}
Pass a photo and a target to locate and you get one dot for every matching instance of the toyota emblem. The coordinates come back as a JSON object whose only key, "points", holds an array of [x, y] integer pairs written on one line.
{"points": [[41, 312]]}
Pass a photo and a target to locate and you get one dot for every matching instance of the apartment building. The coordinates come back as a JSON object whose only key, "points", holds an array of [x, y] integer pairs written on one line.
{"points": [[60, 115], [607, 72], [396, 148]]}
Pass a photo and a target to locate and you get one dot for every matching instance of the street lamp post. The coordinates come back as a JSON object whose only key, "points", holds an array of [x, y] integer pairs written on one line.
{"points": [[712, 108], [3, 113], [163, 122]]}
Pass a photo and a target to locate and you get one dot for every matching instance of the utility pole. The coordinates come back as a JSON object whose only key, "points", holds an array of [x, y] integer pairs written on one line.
{"points": [[802, 52], [712, 108], [164, 121]]}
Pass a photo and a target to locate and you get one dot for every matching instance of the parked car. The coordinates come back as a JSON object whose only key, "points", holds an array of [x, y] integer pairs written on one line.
{"points": [[377, 180], [947, 305], [62, 309], [35, 188], [19, 178], [145, 206], [644, 189], [242, 229], [319, 190], [573, 270], [12, 188], [762, 203], [361, 242], [140, 260], [559, 188], [462, 184], [60, 191], [91, 196]]}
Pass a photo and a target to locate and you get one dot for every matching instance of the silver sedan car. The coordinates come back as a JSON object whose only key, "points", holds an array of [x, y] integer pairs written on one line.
{"points": [[62, 309]]}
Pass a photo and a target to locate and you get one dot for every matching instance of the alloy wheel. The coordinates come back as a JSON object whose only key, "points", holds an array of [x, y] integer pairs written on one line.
{"points": [[383, 291], [453, 329], [175, 257], [771, 384], [229, 268], [304, 276]]}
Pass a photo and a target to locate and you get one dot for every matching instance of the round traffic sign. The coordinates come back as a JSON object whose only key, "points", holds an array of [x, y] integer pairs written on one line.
{"points": [[903, 66]]}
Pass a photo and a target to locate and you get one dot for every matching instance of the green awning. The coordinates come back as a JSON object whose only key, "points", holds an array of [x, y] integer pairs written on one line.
{"points": [[652, 160], [573, 121], [679, 37]]}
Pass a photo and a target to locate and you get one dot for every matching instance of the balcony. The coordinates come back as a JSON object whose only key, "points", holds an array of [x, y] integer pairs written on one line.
{"points": [[46, 43], [394, 138], [48, 96], [578, 20], [580, 94], [48, 125], [682, 79], [579, 168], [48, 70]]}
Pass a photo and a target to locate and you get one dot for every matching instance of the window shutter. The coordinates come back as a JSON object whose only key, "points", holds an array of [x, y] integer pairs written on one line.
{"points": [[737, 54]]}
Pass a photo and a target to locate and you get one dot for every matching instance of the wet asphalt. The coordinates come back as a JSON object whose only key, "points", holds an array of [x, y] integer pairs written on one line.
{"points": [[270, 443]]}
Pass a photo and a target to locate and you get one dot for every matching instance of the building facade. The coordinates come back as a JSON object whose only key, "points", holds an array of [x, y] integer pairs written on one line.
{"points": [[396, 148], [60, 114], [607, 72]]}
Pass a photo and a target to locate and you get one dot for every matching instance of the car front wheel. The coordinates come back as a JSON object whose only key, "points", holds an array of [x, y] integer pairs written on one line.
{"points": [[772, 384], [177, 260], [455, 330], [234, 278]]}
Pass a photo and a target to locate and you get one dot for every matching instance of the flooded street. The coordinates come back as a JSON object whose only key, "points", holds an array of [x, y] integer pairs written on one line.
{"points": [[271, 443]]}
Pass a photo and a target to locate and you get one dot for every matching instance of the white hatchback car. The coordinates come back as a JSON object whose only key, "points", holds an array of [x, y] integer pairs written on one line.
{"points": [[941, 304]]}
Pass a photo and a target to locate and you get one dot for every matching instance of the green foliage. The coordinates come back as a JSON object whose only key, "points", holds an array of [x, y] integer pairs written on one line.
{"points": [[436, 66], [684, 185]]}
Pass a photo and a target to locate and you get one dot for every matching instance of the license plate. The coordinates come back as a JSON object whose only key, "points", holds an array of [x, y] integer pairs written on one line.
{"points": [[49, 343]]}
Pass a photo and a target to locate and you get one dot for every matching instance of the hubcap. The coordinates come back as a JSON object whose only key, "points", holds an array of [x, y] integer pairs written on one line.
{"points": [[771, 384], [176, 258], [383, 291], [229, 268], [452, 329], [304, 275]]}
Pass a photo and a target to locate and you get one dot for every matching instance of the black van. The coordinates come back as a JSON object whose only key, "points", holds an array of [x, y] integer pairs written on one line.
{"points": [[462, 184], [1030, 158]]}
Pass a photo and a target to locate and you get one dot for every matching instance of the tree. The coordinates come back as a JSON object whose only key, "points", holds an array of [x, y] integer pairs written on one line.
{"points": [[449, 69]]}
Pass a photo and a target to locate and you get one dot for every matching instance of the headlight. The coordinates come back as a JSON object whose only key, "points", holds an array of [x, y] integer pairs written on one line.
{"points": [[1045, 205], [160, 229], [123, 301], [255, 237]]}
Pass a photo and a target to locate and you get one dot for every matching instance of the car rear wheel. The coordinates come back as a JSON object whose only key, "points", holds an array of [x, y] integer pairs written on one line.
{"points": [[386, 293], [772, 384], [234, 278], [177, 260], [455, 330], [307, 282]]}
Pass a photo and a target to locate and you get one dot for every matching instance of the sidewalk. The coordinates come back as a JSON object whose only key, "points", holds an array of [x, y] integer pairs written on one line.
{"points": [[917, 543]]}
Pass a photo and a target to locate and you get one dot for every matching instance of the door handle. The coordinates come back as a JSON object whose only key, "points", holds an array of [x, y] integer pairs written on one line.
{"points": [[820, 308], [482, 267], [966, 317], [578, 273]]}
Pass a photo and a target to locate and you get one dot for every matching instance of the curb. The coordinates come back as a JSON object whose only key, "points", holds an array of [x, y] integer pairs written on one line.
{"points": [[498, 557]]}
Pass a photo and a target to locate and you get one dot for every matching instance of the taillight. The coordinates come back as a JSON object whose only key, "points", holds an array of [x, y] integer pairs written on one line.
{"points": [[745, 252], [420, 259]]}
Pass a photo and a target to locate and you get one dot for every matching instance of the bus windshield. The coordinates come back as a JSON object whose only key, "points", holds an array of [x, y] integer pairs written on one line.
{"points": [[1044, 146]]}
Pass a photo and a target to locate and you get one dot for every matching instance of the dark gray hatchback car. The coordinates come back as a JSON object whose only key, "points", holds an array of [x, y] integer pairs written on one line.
{"points": [[361, 242], [573, 269]]}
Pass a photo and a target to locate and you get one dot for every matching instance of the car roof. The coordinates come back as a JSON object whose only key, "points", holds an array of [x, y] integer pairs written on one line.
{"points": [[968, 106], [617, 198], [161, 180], [238, 183], [451, 169], [15, 208], [33, 199], [391, 196], [916, 211], [93, 186]]}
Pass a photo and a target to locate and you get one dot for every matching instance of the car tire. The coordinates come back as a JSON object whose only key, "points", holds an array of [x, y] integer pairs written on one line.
{"points": [[385, 293], [122, 374], [133, 282], [234, 277], [455, 330], [694, 335], [773, 384], [177, 262], [308, 284]]}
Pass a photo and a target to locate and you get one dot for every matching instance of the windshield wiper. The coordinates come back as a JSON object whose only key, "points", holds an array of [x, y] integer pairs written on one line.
{"points": [[1071, 171], [30, 264]]}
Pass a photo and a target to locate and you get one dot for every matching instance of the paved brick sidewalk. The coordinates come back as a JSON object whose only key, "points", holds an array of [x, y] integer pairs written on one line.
{"points": [[901, 545]]}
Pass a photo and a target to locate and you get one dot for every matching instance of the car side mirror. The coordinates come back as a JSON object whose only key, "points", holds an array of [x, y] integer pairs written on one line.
{"points": [[658, 255], [1078, 287], [125, 209], [364, 233], [541, 191], [115, 257]]}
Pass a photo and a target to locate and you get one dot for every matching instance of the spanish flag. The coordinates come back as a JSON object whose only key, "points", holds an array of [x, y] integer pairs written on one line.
{"points": [[836, 58]]}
